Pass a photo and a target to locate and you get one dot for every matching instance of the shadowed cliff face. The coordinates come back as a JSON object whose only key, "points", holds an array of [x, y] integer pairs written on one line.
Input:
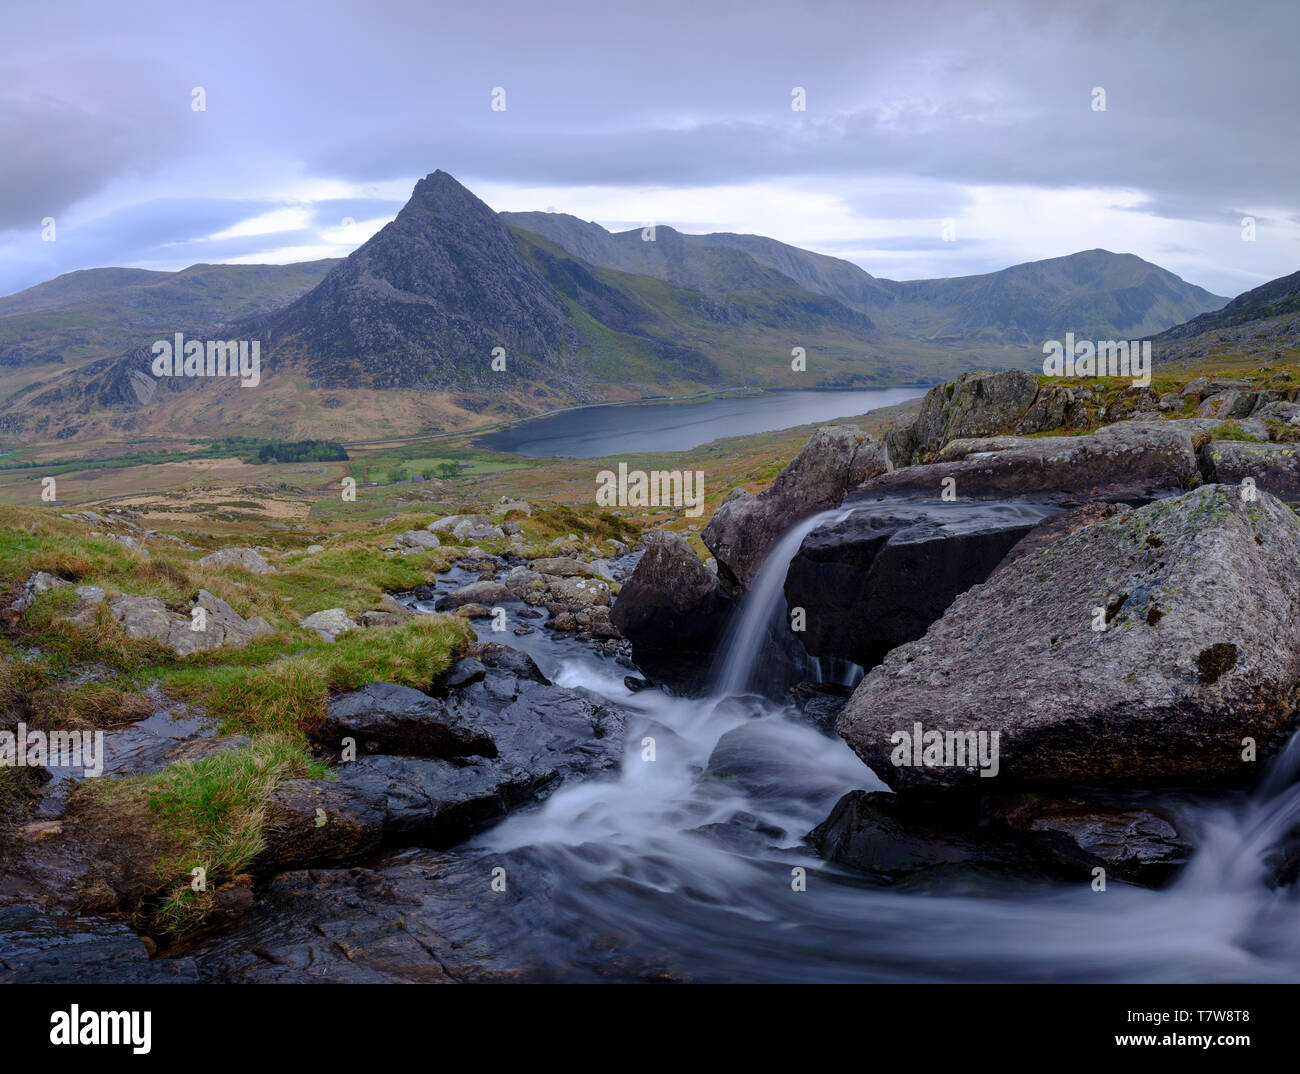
{"points": [[425, 301]]}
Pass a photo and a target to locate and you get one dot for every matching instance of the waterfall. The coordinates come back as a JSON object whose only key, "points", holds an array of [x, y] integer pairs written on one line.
{"points": [[761, 606]]}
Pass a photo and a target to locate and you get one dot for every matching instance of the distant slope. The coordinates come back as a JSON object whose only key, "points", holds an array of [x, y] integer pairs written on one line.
{"points": [[1273, 299], [1094, 293], [74, 287], [694, 260], [104, 312]]}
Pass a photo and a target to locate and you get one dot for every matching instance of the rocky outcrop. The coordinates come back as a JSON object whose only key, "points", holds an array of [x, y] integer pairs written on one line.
{"points": [[462, 528], [880, 577], [1131, 461], [413, 542], [674, 612], [431, 771], [244, 559], [1274, 468], [745, 526], [217, 624], [975, 404], [1166, 693], [486, 593]]}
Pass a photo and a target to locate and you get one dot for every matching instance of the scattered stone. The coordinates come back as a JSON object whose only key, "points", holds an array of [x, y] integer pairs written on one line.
{"points": [[330, 623], [247, 559]]}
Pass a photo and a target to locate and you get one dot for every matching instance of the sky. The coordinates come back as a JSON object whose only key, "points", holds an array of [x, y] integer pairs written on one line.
{"points": [[936, 138]]}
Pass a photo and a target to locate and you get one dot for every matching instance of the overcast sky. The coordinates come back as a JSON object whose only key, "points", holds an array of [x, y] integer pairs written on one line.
{"points": [[321, 116]]}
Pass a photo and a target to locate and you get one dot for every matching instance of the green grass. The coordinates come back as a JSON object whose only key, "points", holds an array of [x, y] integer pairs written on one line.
{"points": [[211, 813]]}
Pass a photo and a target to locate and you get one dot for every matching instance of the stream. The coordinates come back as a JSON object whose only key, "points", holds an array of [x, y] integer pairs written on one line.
{"points": [[693, 849]]}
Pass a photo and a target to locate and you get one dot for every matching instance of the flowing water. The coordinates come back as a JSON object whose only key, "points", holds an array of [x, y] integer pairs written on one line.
{"points": [[693, 852]]}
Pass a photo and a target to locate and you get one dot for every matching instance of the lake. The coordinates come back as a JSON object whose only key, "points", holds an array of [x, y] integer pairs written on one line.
{"points": [[597, 431]]}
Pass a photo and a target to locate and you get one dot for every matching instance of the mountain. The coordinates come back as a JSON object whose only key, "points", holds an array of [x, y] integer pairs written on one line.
{"points": [[423, 305], [424, 302], [103, 312], [1276, 298], [399, 337], [699, 261], [1095, 294]]}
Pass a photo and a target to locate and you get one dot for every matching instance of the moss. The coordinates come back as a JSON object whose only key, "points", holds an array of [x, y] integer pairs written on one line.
{"points": [[209, 815], [1216, 660]]}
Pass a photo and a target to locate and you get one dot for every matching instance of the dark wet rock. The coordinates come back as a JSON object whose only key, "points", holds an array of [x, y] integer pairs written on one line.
{"points": [[635, 684], [1131, 461], [385, 718], [674, 613], [504, 658], [314, 822], [745, 527], [514, 738], [895, 839], [429, 917], [761, 756], [430, 803], [1274, 468], [464, 672], [880, 577], [41, 947], [820, 702], [743, 833], [485, 593], [1131, 842], [1144, 702]]}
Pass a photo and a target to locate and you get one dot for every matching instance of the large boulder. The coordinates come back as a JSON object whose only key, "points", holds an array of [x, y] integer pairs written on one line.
{"points": [[674, 612], [978, 403], [1199, 599], [1275, 468], [744, 527], [383, 717], [1131, 461], [244, 559], [881, 576]]}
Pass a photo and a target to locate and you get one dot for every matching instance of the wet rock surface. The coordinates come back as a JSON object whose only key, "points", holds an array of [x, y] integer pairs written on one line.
{"points": [[674, 612], [40, 947], [745, 527], [446, 766], [385, 718], [880, 577]]}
